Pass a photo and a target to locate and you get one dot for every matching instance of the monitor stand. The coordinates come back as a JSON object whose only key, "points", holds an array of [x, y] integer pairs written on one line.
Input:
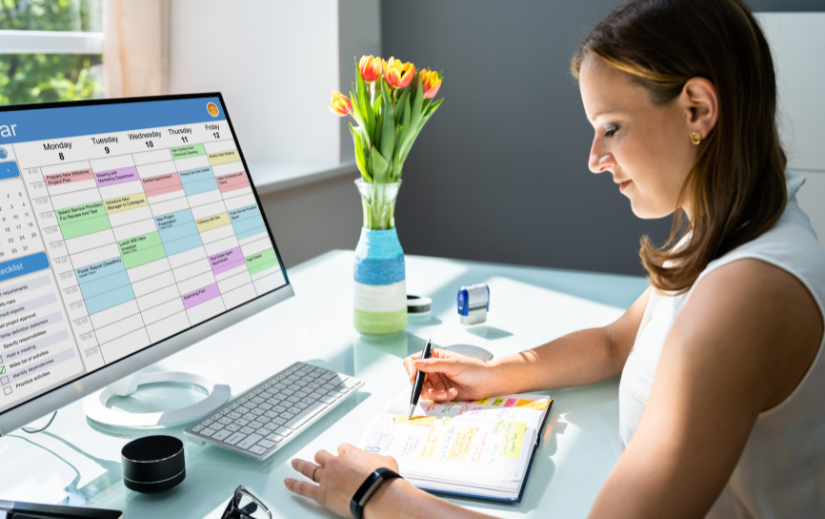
{"points": [[96, 409]]}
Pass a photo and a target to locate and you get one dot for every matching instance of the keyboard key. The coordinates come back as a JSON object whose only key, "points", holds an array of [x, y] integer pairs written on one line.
{"points": [[287, 392], [247, 430], [258, 400], [250, 416], [225, 420], [197, 428], [235, 438], [279, 409], [327, 399], [226, 410], [257, 449], [233, 427], [265, 407], [279, 421], [216, 425], [264, 419], [302, 405], [335, 394], [301, 394], [314, 385], [215, 417], [350, 383], [233, 415], [266, 444], [207, 423], [272, 414], [256, 424], [295, 410], [264, 431], [293, 399], [221, 435], [250, 440], [305, 415], [288, 415], [277, 438], [283, 431], [243, 422], [208, 432]]}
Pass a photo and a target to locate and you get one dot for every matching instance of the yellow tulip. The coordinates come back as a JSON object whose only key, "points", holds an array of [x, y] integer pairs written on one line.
{"points": [[430, 82], [370, 68], [341, 104], [398, 74]]}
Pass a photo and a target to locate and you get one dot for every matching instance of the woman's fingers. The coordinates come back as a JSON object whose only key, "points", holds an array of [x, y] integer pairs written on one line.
{"points": [[322, 457], [304, 488], [305, 467]]}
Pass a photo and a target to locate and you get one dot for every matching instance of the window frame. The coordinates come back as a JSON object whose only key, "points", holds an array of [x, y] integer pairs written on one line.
{"points": [[50, 42]]}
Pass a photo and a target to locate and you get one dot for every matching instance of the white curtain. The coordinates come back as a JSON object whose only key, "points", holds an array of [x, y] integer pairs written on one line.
{"points": [[136, 47]]}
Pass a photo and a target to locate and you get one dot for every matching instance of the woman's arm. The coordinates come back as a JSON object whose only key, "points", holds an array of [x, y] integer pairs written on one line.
{"points": [[743, 342], [576, 359]]}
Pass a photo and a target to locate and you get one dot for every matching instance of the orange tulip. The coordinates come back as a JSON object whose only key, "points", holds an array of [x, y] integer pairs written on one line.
{"points": [[398, 74], [341, 104], [430, 82], [370, 68]]}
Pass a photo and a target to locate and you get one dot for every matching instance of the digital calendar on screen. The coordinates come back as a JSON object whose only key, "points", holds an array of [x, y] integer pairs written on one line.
{"points": [[120, 225]]}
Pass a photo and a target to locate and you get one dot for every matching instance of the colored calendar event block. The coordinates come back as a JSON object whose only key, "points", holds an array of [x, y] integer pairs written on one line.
{"points": [[123, 203], [142, 249], [261, 261], [247, 221], [104, 284], [178, 231], [222, 157], [187, 152], [198, 180], [212, 222], [59, 179], [82, 219], [116, 176], [201, 295], [232, 181], [161, 184], [226, 260]]}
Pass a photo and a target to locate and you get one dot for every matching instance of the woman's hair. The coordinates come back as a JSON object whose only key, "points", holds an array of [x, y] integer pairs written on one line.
{"points": [[736, 188]]}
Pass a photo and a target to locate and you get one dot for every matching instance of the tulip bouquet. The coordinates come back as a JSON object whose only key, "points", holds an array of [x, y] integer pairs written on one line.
{"points": [[391, 102]]}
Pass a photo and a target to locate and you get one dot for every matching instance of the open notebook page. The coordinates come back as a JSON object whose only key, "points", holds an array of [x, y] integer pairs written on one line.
{"points": [[478, 447]]}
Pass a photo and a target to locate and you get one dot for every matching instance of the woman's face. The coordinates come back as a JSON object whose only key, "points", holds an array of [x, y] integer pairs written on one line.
{"points": [[645, 147]]}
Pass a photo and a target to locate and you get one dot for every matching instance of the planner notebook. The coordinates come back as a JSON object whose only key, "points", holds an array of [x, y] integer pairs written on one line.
{"points": [[480, 448]]}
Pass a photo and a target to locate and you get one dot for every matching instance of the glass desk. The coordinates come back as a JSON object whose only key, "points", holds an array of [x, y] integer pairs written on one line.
{"points": [[74, 462]]}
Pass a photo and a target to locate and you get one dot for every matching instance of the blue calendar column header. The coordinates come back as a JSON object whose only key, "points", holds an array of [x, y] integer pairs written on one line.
{"points": [[37, 124]]}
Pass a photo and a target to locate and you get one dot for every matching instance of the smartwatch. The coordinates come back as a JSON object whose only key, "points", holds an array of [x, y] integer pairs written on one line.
{"points": [[368, 488]]}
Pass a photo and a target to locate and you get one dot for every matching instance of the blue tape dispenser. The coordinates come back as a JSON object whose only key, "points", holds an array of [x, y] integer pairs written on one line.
{"points": [[473, 304]]}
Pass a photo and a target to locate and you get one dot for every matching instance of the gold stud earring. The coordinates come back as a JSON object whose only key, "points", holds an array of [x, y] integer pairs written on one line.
{"points": [[696, 138]]}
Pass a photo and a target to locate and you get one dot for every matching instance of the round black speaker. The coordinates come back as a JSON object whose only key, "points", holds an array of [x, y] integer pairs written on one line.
{"points": [[153, 464]]}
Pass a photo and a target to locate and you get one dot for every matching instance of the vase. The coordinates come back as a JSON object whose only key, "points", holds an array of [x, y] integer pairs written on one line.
{"points": [[380, 302]]}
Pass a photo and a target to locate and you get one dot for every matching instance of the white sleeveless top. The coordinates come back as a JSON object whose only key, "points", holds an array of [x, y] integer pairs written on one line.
{"points": [[781, 472]]}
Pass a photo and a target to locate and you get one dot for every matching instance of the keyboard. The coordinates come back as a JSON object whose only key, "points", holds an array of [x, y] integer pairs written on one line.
{"points": [[265, 418]]}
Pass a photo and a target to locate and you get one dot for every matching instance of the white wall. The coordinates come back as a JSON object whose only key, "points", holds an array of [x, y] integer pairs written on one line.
{"points": [[797, 41], [275, 61]]}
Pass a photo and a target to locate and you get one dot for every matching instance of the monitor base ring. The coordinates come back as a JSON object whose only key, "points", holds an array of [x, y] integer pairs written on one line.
{"points": [[95, 404]]}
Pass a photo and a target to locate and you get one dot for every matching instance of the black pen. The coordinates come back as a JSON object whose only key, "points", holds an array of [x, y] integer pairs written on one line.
{"points": [[419, 378]]}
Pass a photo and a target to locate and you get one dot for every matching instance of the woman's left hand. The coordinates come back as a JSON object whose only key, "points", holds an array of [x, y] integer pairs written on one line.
{"points": [[338, 477]]}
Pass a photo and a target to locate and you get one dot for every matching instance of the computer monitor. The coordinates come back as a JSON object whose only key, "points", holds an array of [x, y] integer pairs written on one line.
{"points": [[129, 230]]}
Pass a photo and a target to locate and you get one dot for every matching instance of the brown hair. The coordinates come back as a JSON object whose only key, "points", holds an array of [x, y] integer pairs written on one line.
{"points": [[736, 187]]}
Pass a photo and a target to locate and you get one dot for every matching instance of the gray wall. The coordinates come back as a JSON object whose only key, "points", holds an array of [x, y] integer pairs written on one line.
{"points": [[500, 173]]}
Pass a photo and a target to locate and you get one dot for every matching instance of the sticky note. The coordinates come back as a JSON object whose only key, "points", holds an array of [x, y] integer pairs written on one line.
{"points": [[510, 402], [483, 401], [538, 405], [497, 402], [513, 438]]}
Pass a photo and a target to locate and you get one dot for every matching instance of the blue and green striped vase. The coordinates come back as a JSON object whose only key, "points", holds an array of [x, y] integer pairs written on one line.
{"points": [[380, 302]]}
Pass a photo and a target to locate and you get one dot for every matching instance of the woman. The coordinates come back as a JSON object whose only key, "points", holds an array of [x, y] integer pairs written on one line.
{"points": [[721, 397]]}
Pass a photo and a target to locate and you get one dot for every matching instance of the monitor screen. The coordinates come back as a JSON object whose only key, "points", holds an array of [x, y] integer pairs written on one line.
{"points": [[122, 224]]}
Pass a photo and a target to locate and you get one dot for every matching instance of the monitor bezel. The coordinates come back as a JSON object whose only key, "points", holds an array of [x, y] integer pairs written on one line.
{"points": [[71, 391]]}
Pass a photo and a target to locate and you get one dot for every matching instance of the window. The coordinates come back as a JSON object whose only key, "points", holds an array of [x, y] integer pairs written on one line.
{"points": [[50, 50]]}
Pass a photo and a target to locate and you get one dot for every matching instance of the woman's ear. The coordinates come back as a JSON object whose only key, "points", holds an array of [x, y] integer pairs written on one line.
{"points": [[701, 105]]}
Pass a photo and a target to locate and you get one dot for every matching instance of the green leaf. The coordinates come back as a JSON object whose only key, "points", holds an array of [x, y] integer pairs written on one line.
{"points": [[360, 158], [368, 114], [378, 135], [432, 108], [402, 138], [399, 106], [388, 131], [379, 166]]}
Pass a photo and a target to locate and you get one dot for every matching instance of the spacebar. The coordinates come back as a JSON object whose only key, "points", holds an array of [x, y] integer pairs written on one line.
{"points": [[299, 419]]}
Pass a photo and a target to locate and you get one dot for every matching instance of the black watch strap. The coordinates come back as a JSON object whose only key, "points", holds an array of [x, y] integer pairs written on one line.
{"points": [[368, 488]]}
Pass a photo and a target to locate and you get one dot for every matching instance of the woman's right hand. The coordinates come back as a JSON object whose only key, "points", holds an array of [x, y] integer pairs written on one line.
{"points": [[451, 376]]}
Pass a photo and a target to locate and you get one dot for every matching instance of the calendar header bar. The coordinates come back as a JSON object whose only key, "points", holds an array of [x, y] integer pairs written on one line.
{"points": [[38, 124]]}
